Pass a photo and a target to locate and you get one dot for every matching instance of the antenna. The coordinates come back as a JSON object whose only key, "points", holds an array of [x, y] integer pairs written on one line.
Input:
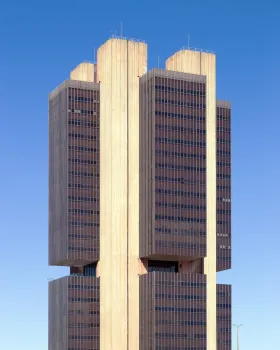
{"points": [[94, 55], [188, 41], [121, 29], [237, 326]]}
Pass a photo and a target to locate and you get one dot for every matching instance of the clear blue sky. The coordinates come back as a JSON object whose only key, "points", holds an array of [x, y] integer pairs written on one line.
{"points": [[40, 42]]}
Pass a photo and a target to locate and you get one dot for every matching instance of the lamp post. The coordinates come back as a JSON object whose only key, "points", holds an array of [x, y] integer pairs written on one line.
{"points": [[237, 326]]}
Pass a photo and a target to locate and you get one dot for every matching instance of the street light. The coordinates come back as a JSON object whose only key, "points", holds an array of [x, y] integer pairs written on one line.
{"points": [[237, 326]]}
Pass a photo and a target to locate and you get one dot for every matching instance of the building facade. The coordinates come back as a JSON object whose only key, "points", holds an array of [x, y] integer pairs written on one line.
{"points": [[140, 204]]}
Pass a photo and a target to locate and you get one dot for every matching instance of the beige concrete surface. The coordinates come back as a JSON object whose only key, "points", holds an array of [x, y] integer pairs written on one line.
{"points": [[85, 71], [120, 64]]}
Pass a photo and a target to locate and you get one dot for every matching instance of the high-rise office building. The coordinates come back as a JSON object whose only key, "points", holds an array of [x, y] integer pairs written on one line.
{"points": [[140, 204]]}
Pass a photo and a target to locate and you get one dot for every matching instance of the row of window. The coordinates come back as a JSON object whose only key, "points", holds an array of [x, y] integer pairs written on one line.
{"points": [[167, 140], [222, 235], [224, 247], [224, 318], [84, 274], [222, 129], [223, 142], [82, 111], [178, 297], [179, 90], [223, 153], [180, 129], [224, 258], [83, 199], [82, 249], [83, 312], [179, 116], [79, 236], [223, 223], [180, 232], [79, 348], [84, 123], [83, 211], [179, 309], [180, 284], [223, 188], [180, 335], [179, 218], [180, 167], [82, 287], [82, 136], [223, 164], [179, 154], [81, 99], [82, 174], [159, 347], [84, 149], [223, 176], [84, 337], [223, 117], [83, 325], [180, 323], [162, 269], [224, 342], [82, 224], [180, 103], [178, 180], [222, 199], [222, 211], [224, 306], [181, 193], [83, 300], [224, 294], [168, 244], [82, 161], [181, 206], [83, 186]]}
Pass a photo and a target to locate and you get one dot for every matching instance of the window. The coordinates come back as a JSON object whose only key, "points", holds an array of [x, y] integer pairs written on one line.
{"points": [[162, 266], [179, 116], [180, 103], [180, 167], [167, 140]]}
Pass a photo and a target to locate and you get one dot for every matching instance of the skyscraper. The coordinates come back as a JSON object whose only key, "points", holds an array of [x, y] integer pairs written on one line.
{"points": [[140, 204]]}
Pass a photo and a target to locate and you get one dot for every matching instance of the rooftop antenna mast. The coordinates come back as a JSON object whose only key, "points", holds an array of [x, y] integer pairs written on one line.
{"points": [[237, 326], [94, 55]]}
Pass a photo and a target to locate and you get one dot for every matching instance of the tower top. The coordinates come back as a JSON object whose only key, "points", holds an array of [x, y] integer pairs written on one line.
{"points": [[114, 36], [196, 49]]}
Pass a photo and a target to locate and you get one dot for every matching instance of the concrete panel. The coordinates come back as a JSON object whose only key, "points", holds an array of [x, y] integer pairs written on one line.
{"points": [[85, 71], [120, 63]]}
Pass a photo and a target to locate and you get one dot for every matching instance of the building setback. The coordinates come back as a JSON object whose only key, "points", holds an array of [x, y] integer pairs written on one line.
{"points": [[140, 204]]}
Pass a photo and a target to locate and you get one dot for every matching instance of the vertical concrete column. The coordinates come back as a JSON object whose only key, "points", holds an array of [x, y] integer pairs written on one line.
{"points": [[120, 63], [85, 71], [137, 66], [202, 63]]}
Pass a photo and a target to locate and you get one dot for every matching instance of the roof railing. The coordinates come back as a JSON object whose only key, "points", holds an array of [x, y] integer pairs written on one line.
{"points": [[196, 49], [126, 38]]}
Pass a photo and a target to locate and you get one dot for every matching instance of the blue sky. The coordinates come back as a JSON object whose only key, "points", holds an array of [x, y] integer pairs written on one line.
{"points": [[41, 42]]}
